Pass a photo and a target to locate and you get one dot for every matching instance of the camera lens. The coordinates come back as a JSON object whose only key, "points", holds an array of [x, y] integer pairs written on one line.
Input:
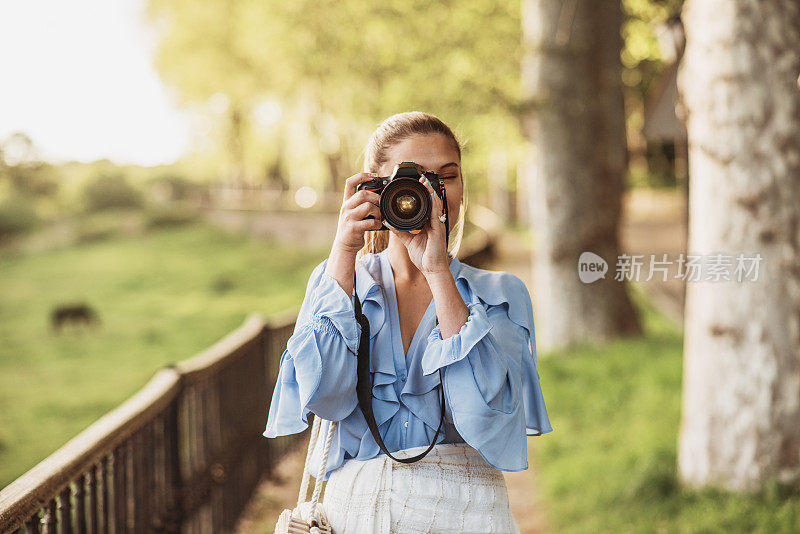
{"points": [[406, 204]]}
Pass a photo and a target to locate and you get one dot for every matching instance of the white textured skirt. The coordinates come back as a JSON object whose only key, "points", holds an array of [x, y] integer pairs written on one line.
{"points": [[452, 489]]}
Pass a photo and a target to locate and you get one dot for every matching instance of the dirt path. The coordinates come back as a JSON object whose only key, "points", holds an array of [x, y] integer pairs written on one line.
{"points": [[273, 495]]}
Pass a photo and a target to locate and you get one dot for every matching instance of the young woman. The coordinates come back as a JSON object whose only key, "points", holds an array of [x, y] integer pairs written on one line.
{"points": [[484, 345]]}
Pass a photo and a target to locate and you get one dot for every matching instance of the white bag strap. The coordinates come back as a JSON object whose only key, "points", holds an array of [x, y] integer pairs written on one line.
{"points": [[312, 443]]}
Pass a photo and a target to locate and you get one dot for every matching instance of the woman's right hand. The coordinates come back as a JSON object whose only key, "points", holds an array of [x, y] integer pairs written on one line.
{"points": [[357, 205]]}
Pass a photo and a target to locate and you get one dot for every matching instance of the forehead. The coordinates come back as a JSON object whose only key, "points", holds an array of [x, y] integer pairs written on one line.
{"points": [[430, 151]]}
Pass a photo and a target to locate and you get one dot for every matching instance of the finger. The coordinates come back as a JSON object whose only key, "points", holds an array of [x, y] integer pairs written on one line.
{"points": [[360, 197], [367, 224], [437, 201], [351, 183], [437, 205], [362, 210]]}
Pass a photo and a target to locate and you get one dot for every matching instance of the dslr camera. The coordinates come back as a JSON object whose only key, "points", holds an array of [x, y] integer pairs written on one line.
{"points": [[405, 203]]}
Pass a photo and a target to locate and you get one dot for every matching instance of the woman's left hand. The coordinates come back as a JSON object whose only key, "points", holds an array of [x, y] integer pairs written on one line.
{"points": [[428, 248]]}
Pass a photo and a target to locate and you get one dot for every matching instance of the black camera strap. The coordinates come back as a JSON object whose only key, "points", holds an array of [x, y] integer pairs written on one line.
{"points": [[364, 388], [364, 379]]}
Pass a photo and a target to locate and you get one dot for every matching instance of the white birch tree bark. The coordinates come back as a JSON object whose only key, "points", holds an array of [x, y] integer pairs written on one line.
{"points": [[576, 164], [741, 383]]}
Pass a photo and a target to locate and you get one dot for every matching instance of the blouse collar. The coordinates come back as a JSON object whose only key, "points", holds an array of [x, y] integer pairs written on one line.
{"points": [[490, 287], [368, 268]]}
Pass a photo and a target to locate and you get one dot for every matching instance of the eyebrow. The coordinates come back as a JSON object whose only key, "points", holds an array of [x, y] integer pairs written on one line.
{"points": [[451, 164]]}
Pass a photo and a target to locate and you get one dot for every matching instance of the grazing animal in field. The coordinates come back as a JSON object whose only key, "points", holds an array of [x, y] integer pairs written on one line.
{"points": [[74, 313]]}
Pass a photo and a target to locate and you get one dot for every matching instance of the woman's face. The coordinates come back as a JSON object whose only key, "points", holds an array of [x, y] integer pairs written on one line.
{"points": [[436, 153]]}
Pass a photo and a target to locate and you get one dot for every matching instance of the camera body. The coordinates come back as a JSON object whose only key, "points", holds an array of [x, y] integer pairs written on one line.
{"points": [[405, 203]]}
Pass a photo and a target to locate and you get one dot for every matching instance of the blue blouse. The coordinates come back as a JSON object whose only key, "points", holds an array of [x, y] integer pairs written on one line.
{"points": [[493, 399]]}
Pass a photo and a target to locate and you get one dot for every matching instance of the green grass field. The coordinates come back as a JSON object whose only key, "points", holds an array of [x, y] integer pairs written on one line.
{"points": [[610, 463], [161, 298]]}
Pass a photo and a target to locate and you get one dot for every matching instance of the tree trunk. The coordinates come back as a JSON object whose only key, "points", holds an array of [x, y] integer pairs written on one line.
{"points": [[498, 190], [576, 165], [741, 396], [235, 143]]}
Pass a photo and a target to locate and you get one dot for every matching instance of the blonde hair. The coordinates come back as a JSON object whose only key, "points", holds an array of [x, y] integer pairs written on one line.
{"points": [[391, 131]]}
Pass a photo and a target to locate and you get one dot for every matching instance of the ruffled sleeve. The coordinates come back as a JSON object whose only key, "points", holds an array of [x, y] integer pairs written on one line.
{"points": [[318, 368], [489, 367]]}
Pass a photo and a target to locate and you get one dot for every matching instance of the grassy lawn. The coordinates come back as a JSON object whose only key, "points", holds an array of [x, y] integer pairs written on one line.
{"points": [[162, 297], [610, 463]]}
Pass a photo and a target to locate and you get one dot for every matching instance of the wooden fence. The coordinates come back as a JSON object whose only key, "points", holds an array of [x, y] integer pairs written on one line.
{"points": [[185, 453]]}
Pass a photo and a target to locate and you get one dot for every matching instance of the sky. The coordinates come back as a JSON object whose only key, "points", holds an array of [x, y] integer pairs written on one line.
{"points": [[78, 78]]}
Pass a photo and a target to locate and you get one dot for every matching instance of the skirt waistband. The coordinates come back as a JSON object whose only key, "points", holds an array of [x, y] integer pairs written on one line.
{"points": [[462, 450]]}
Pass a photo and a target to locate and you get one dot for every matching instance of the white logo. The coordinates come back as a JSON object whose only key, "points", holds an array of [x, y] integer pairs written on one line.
{"points": [[591, 267]]}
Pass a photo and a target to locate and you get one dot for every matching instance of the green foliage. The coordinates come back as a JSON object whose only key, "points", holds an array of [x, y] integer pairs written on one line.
{"points": [[353, 58], [337, 68], [108, 191], [21, 167], [173, 186], [156, 297], [161, 216], [610, 463], [17, 215], [641, 55], [35, 179]]}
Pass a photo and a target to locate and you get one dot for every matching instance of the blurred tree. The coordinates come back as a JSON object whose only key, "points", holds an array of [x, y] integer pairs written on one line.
{"points": [[350, 63], [577, 163], [22, 167], [108, 191], [171, 187], [741, 391], [17, 215], [202, 54], [338, 68]]}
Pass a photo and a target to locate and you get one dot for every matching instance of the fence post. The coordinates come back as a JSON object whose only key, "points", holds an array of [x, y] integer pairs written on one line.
{"points": [[174, 516]]}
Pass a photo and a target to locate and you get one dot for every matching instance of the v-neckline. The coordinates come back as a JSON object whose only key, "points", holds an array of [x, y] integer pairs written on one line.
{"points": [[398, 339]]}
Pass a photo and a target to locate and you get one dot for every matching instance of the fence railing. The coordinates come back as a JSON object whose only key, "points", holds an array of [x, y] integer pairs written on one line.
{"points": [[185, 453], [182, 455]]}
